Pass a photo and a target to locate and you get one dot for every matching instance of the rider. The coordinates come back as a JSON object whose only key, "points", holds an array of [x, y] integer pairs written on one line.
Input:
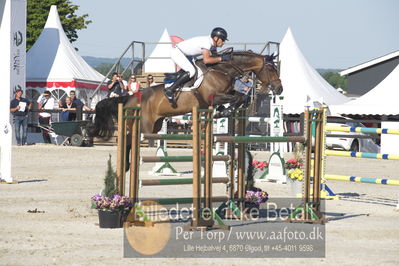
{"points": [[193, 47]]}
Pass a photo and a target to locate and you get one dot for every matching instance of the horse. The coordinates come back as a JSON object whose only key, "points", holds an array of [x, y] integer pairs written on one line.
{"points": [[216, 89]]}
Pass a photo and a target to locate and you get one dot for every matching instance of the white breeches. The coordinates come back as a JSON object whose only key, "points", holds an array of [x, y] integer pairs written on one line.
{"points": [[181, 60]]}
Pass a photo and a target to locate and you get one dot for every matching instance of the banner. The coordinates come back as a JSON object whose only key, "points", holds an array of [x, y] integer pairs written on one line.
{"points": [[18, 45], [12, 69]]}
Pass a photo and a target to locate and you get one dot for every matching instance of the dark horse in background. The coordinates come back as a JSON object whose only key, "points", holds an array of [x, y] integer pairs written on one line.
{"points": [[215, 89]]}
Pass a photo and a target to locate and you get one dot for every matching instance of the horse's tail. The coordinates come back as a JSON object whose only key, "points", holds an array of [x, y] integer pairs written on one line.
{"points": [[106, 112]]}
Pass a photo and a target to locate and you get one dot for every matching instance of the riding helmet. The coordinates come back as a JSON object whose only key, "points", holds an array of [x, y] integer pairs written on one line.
{"points": [[219, 32]]}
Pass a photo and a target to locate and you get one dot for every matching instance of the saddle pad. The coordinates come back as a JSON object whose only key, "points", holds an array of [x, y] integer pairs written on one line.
{"points": [[198, 81]]}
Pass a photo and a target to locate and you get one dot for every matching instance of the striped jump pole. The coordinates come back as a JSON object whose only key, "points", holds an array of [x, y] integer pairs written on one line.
{"points": [[180, 181], [367, 130], [357, 179], [166, 201], [189, 118], [255, 119], [368, 155], [157, 159], [248, 139], [167, 136]]}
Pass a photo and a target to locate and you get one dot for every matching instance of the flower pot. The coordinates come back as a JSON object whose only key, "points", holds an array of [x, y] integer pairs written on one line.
{"points": [[110, 219], [295, 187]]}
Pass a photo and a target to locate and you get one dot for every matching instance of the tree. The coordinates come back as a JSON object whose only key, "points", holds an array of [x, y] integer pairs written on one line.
{"points": [[37, 13], [103, 68], [335, 79], [109, 180]]}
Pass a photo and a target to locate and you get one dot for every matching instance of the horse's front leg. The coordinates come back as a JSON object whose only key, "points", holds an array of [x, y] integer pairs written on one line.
{"points": [[235, 100]]}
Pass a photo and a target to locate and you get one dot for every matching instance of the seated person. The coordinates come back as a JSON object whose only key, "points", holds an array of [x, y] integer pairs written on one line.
{"points": [[66, 114], [243, 85], [76, 101], [150, 81], [46, 102]]}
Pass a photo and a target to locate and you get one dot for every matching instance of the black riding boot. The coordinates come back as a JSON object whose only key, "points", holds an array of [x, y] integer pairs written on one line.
{"points": [[170, 91]]}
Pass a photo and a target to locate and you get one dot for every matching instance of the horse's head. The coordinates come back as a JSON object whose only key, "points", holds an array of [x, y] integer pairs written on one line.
{"points": [[268, 76]]}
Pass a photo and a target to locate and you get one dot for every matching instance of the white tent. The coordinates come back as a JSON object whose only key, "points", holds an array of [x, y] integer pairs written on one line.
{"points": [[159, 61], [302, 84], [382, 100], [53, 63]]}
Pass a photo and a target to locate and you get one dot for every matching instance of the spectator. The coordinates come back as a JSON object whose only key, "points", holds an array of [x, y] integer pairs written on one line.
{"points": [[133, 87], [115, 86], [46, 102], [19, 108], [243, 85], [66, 114], [76, 101], [150, 81], [123, 81]]}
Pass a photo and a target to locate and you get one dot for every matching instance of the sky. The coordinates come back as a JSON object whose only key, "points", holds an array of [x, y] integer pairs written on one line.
{"points": [[330, 33]]}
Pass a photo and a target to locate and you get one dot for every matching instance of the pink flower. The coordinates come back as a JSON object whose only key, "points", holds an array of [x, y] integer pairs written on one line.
{"points": [[259, 164]]}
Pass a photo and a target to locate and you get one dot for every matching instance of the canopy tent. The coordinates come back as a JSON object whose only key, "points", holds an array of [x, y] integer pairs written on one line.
{"points": [[159, 61], [302, 84], [382, 100], [53, 63]]}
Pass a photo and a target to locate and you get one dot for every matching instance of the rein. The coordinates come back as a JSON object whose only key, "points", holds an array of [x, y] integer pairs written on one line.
{"points": [[241, 71]]}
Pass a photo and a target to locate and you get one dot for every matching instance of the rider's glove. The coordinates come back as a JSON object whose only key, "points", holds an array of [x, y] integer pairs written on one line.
{"points": [[226, 57]]}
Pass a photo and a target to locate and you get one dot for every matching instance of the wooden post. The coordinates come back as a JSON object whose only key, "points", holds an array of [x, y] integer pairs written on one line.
{"points": [[241, 160], [318, 156], [208, 158], [196, 169], [121, 150], [135, 153], [231, 125], [308, 154], [124, 153], [309, 211]]}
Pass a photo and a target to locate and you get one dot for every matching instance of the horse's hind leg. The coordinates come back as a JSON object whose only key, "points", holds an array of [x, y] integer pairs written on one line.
{"points": [[128, 149]]}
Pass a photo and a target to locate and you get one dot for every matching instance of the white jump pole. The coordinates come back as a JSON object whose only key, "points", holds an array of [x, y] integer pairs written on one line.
{"points": [[12, 68]]}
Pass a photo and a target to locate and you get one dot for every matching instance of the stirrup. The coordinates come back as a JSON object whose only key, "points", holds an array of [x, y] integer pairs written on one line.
{"points": [[171, 100]]}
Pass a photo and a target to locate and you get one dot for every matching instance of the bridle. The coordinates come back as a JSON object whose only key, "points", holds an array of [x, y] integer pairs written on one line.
{"points": [[266, 64]]}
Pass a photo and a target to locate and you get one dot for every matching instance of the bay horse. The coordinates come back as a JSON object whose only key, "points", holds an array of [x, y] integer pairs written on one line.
{"points": [[216, 89]]}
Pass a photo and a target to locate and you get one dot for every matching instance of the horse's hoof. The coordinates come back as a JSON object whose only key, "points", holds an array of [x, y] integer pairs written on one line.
{"points": [[224, 113]]}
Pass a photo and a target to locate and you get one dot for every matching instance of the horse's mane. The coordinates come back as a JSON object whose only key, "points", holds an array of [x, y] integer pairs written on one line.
{"points": [[242, 52]]}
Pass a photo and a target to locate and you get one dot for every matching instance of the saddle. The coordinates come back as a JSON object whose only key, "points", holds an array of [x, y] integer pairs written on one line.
{"points": [[193, 83]]}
